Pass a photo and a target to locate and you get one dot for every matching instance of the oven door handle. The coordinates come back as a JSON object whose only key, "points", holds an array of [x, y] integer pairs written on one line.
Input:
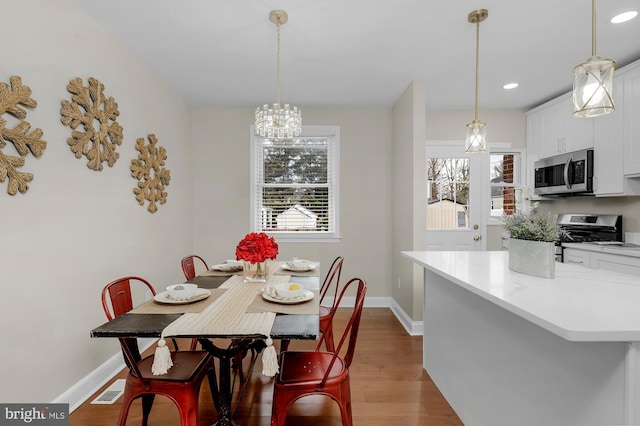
{"points": [[567, 180]]}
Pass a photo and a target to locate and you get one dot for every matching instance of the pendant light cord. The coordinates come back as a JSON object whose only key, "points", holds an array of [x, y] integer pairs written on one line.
{"points": [[477, 65], [593, 27], [278, 62]]}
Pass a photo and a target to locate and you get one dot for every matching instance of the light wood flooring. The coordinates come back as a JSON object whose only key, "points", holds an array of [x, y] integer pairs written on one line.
{"points": [[388, 387]]}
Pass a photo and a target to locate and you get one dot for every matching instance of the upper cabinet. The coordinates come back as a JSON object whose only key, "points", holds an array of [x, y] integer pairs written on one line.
{"points": [[559, 131], [631, 100], [608, 179]]}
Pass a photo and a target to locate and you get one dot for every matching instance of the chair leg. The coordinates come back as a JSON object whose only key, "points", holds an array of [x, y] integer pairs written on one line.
{"points": [[284, 344], [147, 403], [188, 408], [345, 403]]}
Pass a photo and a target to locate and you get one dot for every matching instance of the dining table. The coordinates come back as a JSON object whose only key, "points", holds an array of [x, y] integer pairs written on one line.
{"points": [[293, 321]]}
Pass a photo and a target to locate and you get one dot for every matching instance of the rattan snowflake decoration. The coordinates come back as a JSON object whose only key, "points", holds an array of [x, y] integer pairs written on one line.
{"points": [[12, 101], [97, 114], [152, 177]]}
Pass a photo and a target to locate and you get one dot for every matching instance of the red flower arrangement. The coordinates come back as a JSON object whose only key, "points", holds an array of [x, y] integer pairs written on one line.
{"points": [[256, 247]]}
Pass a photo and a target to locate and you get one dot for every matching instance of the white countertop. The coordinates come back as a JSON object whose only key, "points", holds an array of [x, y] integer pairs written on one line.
{"points": [[624, 251], [579, 304]]}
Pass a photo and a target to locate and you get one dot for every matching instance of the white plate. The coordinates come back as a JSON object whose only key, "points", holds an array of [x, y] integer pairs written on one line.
{"points": [[200, 294], [225, 267], [306, 296], [305, 268]]}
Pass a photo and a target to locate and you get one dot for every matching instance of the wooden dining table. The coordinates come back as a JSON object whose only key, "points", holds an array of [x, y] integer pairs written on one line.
{"points": [[152, 321]]}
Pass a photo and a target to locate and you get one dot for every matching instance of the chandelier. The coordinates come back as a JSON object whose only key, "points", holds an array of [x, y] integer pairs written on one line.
{"points": [[276, 121], [476, 131], [593, 81]]}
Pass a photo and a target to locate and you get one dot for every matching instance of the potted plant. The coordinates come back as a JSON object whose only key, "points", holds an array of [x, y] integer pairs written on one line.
{"points": [[532, 243]]}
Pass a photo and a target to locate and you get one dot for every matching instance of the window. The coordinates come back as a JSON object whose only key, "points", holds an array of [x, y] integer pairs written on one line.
{"points": [[448, 193], [506, 182], [294, 194]]}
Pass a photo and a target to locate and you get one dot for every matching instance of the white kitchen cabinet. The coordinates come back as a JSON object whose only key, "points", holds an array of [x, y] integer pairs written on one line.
{"points": [[615, 263], [577, 256], [598, 258], [632, 120], [608, 176], [561, 131]]}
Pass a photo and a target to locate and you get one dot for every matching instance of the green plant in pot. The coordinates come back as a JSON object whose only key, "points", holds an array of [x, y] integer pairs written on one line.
{"points": [[532, 243]]}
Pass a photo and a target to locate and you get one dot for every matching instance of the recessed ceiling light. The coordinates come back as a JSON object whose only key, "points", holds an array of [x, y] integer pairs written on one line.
{"points": [[510, 86], [624, 17]]}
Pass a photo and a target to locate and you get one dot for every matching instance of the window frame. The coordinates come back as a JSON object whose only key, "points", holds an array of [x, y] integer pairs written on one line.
{"points": [[332, 133], [521, 181]]}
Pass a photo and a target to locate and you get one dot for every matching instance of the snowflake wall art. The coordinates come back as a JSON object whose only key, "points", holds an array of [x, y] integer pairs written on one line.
{"points": [[12, 101], [152, 176], [101, 133]]}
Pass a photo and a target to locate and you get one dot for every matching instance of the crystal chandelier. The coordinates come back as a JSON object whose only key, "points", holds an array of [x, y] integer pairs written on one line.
{"points": [[593, 82], [476, 131], [278, 122]]}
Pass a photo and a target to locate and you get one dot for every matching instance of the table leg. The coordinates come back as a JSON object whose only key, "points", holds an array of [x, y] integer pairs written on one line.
{"points": [[222, 391]]}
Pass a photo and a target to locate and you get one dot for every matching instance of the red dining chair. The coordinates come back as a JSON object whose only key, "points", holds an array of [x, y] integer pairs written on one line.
{"points": [[304, 373], [326, 327], [189, 266], [326, 312], [182, 382]]}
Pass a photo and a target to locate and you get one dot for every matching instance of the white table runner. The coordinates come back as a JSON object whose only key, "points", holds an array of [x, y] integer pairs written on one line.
{"points": [[227, 316]]}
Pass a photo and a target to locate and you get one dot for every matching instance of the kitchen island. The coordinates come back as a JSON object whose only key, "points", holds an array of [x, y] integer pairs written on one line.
{"points": [[511, 349]]}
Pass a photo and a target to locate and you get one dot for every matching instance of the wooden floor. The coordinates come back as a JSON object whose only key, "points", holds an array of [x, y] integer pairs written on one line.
{"points": [[388, 387]]}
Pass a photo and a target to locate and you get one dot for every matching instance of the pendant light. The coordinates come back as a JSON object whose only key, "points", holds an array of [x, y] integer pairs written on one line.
{"points": [[276, 121], [476, 131], [593, 82]]}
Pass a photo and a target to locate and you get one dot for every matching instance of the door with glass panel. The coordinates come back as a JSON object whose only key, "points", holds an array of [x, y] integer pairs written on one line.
{"points": [[456, 198]]}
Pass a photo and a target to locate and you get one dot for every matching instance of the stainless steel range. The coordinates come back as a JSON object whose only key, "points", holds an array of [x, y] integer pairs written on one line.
{"points": [[601, 229]]}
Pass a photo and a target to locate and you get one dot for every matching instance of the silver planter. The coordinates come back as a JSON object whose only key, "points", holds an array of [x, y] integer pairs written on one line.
{"points": [[537, 258]]}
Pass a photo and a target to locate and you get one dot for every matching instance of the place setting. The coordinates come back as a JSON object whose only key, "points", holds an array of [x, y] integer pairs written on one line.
{"points": [[301, 267], [226, 268], [179, 298], [285, 297]]}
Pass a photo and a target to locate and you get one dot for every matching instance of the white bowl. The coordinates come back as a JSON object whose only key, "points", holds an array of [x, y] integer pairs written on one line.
{"points": [[181, 291], [282, 290]]}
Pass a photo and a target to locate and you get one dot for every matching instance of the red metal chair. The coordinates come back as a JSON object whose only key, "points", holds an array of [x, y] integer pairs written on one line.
{"points": [[182, 382], [304, 373], [326, 312], [326, 327], [189, 267]]}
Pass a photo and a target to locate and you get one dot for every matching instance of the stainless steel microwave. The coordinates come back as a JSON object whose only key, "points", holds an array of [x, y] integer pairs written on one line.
{"points": [[565, 174]]}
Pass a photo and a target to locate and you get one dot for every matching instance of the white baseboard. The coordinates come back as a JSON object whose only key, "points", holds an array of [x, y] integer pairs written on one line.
{"points": [[88, 385], [77, 394], [414, 328]]}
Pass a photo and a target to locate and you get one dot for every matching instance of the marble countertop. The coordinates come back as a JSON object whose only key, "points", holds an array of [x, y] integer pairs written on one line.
{"points": [[579, 304]]}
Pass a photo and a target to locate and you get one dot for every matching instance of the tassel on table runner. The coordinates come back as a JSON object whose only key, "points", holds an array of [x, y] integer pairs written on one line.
{"points": [[162, 359], [270, 359]]}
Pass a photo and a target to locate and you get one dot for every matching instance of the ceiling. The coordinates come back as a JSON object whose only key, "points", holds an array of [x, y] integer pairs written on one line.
{"points": [[364, 53]]}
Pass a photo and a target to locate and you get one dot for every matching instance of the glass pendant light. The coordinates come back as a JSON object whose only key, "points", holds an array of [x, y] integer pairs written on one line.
{"points": [[476, 131], [276, 121], [593, 82]]}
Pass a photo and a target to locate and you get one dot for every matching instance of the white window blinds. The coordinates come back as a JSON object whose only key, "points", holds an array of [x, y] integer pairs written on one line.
{"points": [[295, 186]]}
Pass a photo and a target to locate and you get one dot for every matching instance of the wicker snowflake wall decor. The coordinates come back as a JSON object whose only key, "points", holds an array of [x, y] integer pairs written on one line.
{"points": [[98, 115], [149, 169], [11, 102]]}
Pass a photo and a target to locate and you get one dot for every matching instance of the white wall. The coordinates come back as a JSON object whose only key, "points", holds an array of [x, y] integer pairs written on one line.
{"points": [[77, 229], [503, 126], [221, 168]]}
